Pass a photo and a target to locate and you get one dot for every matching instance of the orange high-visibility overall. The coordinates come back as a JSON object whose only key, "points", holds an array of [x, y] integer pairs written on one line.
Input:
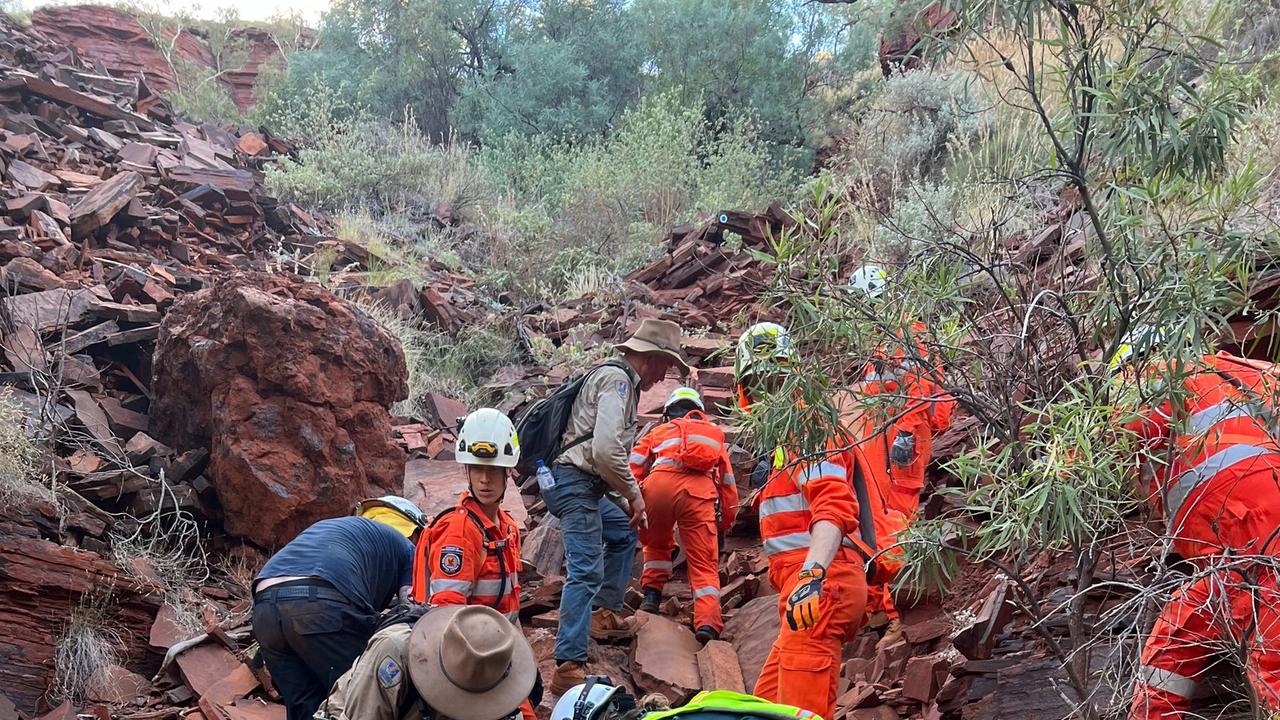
{"points": [[906, 384], [803, 668], [462, 562], [1214, 471], [684, 472]]}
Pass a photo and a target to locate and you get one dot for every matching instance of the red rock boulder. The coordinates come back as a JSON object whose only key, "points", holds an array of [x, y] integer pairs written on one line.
{"points": [[288, 386], [116, 38]]}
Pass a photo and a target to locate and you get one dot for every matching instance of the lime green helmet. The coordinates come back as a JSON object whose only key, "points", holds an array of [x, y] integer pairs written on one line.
{"points": [[764, 348], [1137, 344], [684, 395]]}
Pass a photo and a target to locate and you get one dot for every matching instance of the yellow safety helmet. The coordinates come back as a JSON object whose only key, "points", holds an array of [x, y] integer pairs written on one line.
{"points": [[394, 511]]}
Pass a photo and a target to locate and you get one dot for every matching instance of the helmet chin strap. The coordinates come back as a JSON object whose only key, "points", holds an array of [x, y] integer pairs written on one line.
{"points": [[581, 706]]}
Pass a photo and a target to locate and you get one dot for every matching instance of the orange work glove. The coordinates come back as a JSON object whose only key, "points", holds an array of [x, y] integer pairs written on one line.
{"points": [[803, 609]]}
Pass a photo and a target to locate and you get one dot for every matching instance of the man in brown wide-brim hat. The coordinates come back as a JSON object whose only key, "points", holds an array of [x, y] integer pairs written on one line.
{"points": [[463, 662], [599, 539]]}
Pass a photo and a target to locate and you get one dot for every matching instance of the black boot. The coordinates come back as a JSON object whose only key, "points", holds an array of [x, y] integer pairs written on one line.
{"points": [[652, 599], [706, 634]]}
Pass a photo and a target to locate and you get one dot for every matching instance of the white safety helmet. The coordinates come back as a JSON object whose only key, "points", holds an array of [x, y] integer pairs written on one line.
{"points": [[587, 701], [684, 394], [870, 280], [393, 510], [487, 437], [764, 344]]}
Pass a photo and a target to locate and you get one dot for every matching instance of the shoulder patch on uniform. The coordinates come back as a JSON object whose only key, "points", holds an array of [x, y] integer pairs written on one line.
{"points": [[624, 389], [388, 672], [450, 559]]}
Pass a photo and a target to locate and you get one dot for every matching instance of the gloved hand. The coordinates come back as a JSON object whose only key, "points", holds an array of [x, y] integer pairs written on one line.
{"points": [[406, 612], [903, 451], [760, 475], [803, 608]]}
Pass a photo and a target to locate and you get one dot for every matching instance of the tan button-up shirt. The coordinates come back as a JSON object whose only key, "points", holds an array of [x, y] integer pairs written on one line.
{"points": [[606, 406], [376, 685]]}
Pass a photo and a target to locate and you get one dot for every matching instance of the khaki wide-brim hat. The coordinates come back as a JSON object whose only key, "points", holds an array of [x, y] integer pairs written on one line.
{"points": [[657, 336], [470, 663]]}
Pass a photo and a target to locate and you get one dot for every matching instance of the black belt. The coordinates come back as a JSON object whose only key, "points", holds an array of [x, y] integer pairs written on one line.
{"points": [[299, 591]]}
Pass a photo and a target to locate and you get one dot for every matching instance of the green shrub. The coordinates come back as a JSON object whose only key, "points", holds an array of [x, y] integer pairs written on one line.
{"points": [[370, 162], [569, 75], [19, 459], [202, 96], [922, 216], [520, 200], [613, 199], [400, 246], [910, 126], [437, 363]]}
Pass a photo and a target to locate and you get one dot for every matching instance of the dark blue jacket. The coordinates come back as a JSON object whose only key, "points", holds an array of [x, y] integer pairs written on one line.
{"points": [[365, 560]]}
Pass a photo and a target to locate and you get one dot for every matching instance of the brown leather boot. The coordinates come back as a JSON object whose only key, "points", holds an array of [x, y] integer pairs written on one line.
{"points": [[608, 624], [568, 675]]}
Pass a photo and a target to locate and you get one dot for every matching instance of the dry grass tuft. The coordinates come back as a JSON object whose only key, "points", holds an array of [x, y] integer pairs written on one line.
{"points": [[19, 459], [89, 642]]}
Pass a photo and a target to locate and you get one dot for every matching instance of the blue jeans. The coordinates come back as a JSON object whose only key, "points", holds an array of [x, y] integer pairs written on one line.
{"points": [[599, 551]]}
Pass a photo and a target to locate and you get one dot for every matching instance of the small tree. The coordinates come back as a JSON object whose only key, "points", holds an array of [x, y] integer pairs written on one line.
{"points": [[1157, 228]]}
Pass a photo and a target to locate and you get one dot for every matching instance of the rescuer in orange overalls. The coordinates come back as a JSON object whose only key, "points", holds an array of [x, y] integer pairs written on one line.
{"points": [[684, 472], [1212, 467], [907, 407], [808, 518], [470, 555]]}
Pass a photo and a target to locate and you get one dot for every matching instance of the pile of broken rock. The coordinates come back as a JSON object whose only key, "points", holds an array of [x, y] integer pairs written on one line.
{"points": [[176, 381], [189, 388]]}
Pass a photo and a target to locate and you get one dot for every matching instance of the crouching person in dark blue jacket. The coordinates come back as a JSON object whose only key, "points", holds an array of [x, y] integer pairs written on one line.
{"points": [[316, 602]]}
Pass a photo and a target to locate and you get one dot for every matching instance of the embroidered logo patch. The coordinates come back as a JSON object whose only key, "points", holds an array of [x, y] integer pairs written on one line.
{"points": [[388, 672], [623, 389], [450, 559]]}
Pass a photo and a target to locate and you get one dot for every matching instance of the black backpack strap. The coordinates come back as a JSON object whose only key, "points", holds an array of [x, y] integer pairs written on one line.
{"points": [[413, 701], [612, 362], [490, 542], [566, 448], [440, 516], [866, 519]]}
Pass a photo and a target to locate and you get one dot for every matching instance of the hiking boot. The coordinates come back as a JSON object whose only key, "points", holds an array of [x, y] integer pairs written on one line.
{"points": [[608, 624], [892, 634], [568, 674], [706, 634], [652, 599]]}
